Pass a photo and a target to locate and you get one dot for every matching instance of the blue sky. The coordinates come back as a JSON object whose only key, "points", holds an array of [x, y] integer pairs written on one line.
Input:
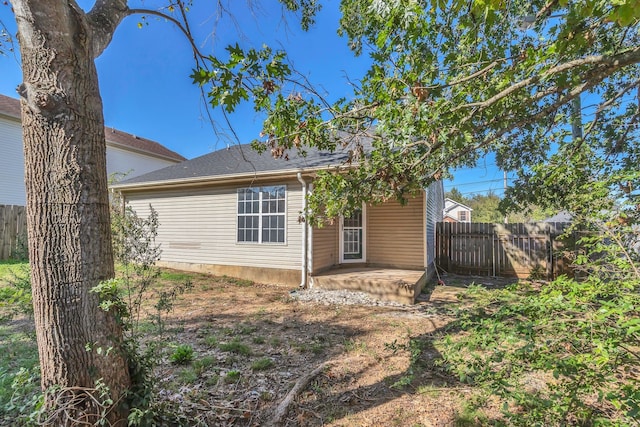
{"points": [[146, 89]]}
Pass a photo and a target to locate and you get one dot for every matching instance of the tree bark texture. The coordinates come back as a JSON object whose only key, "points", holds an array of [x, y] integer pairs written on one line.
{"points": [[70, 250]]}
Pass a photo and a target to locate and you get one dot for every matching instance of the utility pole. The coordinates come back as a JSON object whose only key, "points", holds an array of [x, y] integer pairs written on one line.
{"points": [[576, 118], [506, 219]]}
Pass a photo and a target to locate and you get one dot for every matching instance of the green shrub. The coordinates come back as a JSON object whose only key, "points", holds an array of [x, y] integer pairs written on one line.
{"points": [[182, 354]]}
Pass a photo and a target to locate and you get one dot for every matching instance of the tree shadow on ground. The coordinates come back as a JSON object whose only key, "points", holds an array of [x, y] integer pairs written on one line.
{"points": [[390, 382]]}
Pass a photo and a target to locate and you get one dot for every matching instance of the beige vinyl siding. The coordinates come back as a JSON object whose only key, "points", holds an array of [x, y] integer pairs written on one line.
{"points": [[199, 227], [395, 234], [325, 246]]}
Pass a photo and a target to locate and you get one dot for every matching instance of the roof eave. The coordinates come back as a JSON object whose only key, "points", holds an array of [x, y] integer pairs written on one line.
{"points": [[142, 151], [10, 116], [217, 179]]}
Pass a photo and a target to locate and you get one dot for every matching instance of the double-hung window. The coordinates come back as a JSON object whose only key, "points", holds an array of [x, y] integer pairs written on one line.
{"points": [[261, 214]]}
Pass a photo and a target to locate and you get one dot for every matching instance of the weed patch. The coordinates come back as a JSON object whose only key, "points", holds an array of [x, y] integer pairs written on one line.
{"points": [[577, 338], [262, 364], [182, 355], [236, 347]]}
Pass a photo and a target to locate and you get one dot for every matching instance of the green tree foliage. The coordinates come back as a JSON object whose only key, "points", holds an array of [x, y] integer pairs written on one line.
{"points": [[486, 208], [450, 81], [455, 194], [552, 88], [491, 208]]}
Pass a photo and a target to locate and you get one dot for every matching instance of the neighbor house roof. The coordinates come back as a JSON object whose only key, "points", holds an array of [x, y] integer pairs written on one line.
{"points": [[453, 204], [10, 107], [562, 216], [237, 162]]}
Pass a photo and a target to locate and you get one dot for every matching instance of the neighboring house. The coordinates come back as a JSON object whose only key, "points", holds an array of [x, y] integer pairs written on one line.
{"points": [[126, 153], [562, 216], [239, 213], [456, 212]]}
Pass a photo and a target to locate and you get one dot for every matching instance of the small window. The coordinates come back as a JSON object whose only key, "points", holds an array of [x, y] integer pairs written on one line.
{"points": [[261, 214], [463, 216]]}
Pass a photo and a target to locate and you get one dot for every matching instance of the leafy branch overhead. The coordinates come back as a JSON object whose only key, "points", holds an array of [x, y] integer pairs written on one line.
{"points": [[450, 81]]}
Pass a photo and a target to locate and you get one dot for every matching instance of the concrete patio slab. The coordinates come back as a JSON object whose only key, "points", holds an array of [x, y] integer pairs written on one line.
{"points": [[386, 284]]}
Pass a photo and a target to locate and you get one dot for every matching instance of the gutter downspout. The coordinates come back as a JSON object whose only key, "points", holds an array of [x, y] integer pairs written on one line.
{"points": [[309, 247], [303, 279]]}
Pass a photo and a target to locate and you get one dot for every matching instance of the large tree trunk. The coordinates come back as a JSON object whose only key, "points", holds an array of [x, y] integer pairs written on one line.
{"points": [[68, 217]]}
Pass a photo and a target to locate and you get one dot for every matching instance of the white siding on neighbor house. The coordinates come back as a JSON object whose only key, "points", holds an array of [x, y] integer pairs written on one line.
{"points": [[199, 227], [12, 191], [457, 211], [132, 164]]}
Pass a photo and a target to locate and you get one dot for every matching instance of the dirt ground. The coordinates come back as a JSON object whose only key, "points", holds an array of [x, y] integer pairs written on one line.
{"points": [[253, 342]]}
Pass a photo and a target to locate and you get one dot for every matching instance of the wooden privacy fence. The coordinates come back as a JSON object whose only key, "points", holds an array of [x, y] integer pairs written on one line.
{"points": [[13, 230], [521, 250]]}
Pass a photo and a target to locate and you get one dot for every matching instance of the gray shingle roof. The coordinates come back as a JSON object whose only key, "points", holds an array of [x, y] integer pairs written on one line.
{"points": [[11, 107], [241, 160], [116, 138]]}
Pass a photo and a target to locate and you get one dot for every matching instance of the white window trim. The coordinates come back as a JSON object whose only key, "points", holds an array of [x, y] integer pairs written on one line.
{"points": [[260, 215], [364, 239]]}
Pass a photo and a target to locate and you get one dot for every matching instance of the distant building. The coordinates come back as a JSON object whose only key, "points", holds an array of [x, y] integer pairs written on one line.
{"points": [[456, 211], [562, 216], [126, 153]]}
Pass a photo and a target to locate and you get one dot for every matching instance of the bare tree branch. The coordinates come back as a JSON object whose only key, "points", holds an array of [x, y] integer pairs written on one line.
{"points": [[103, 19], [614, 62], [182, 27]]}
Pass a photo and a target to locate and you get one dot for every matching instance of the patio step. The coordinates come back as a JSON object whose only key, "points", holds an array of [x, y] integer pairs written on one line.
{"points": [[401, 286]]}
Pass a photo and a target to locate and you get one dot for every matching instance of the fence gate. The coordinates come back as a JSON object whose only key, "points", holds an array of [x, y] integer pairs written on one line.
{"points": [[521, 250], [13, 229]]}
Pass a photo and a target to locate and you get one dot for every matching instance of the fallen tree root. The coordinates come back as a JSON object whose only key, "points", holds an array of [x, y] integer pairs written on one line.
{"points": [[300, 385]]}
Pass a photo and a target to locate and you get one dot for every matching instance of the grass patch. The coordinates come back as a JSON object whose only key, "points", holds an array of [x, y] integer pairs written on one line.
{"points": [[188, 376], [203, 364], [262, 364], [236, 281], [232, 376], [211, 341], [247, 329], [6, 266], [258, 340], [275, 341], [19, 373], [236, 347], [470, 416], [354, 345], [175, 276], [227, 331]]}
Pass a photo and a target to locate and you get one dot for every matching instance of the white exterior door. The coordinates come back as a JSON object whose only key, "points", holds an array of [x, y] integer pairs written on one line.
{"points": [[352, 237]]}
